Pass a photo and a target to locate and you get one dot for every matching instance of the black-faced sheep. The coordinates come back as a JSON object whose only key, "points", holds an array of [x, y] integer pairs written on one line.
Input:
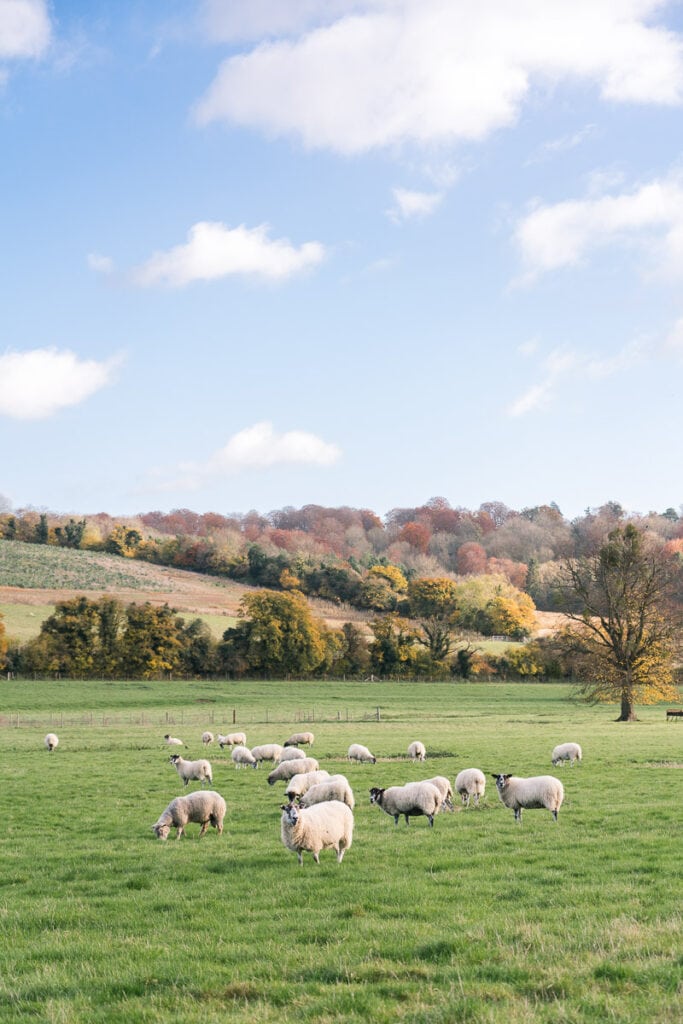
{"points": [[242, 757], [416, 751], [187, 770], [535, 791], [357, 752], [566, 752], [335, 788], [411, 800], [233, 739], [300, 739], [321, 827], [286, 770], [51, 741]]}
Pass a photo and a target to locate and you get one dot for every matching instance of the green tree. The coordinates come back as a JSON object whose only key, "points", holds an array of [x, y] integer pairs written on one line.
{"points": [[391, 651], [71, 534], [152, 644], [433, 601], [278, 636], [625, 636]]}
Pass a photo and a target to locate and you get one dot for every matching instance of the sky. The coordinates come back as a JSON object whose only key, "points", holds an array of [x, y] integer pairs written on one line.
{"points": [[261, 253]]}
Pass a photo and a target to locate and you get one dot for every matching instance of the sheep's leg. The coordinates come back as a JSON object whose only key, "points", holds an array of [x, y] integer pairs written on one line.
{"points": [[301, 858], [316, 856], [554, 813], [396, 817], [518, 814], [430, 819], [203, 829], [179, 832]]}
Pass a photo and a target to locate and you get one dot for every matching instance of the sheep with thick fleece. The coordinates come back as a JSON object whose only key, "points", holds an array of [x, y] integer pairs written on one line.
{"points": [[51, 741], [242, 757], [290, 754], [267, 752], [204, 806], [357, 752], [335, 788], [300, 739], [233, 739], [173, 741], [470, 782], [302, 782], [417, 751], [411, 800], [444, 787], [326, 826], [207, 737], [535, 791], [567, 752], [288, 769], [188, 770]]}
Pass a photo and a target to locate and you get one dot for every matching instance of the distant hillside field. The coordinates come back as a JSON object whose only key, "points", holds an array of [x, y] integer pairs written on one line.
{"points": [[33, 577]]}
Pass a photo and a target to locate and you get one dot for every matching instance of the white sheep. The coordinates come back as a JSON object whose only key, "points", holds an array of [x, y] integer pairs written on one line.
{"points": [[173, 741], [567, 752], [417, 751], [267, 752], [335, 788], [187, 770], [233, 739], [300, 739], [470, 782], [302, 782], [243, 757], [357, 752], [536, 791], [321, 827], [410, 800], [51, 741], [204, 806], [444, 787], [290, 754], [207, 737], [288, 769]]}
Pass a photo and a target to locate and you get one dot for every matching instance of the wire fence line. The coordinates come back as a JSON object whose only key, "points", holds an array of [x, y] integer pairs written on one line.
{"points": [[221, 719]]}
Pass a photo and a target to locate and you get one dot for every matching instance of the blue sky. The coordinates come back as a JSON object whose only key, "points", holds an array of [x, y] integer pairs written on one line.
{"points": [[280, 252]]}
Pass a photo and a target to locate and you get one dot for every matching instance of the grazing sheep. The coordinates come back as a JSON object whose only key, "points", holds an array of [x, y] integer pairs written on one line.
{"points": [[536, 791], [233, 739], [290, 754], [410, 800], [267, 752], [470, 782], [335, 788], [187, 770], [205, 807], [173, 741], [300, 739], [51, 741], [207, 737], [444, 787], [321, 827], [567, 752], [288, 769], [242, 757], [417, 751], [357, 752], [301, 783]]}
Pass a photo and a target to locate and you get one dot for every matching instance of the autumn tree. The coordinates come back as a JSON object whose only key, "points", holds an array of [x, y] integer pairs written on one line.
{"points": [[392, 649], [624, 636], [3, 643], [278, 636], [434, 603]]}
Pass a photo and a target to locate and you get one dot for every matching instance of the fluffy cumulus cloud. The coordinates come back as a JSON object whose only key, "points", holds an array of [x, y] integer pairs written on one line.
{"points": [[409, 205], [214, 250], [39, 383], [564, 234], [24, 28], [256, 447], [382, 74]]}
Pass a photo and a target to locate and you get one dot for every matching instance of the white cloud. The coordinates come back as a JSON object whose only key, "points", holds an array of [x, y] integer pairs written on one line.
{"points": [[214, 250], [562, 144], [437, 71], [561, 235], [24, 28], [256, 447], [38, 383], [409, 204], [563, 365], [101, 264]]}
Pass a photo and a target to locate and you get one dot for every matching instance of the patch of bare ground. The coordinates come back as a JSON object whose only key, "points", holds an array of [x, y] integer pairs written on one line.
{"points": [[548, 623]]}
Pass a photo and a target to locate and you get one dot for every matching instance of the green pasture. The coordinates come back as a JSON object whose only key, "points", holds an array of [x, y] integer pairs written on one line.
{"points": [[478, 920]]}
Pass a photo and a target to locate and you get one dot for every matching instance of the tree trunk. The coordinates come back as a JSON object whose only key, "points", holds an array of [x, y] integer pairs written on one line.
{"points": [[628, 711]]}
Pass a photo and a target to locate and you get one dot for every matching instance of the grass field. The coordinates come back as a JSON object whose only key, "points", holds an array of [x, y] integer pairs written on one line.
{"points": [[476, 920]]}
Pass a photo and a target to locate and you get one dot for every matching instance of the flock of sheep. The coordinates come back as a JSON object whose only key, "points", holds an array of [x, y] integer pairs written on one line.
{"points": [[319, 812]]}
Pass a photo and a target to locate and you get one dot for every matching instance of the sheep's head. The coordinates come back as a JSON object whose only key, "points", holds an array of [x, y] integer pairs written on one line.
{"points": [[174, 758], [290, 813], [161, 831], [376, 795], [501, 781]]}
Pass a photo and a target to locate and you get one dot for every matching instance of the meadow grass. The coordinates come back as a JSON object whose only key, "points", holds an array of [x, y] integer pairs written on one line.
{"points": [[477, 920]]}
